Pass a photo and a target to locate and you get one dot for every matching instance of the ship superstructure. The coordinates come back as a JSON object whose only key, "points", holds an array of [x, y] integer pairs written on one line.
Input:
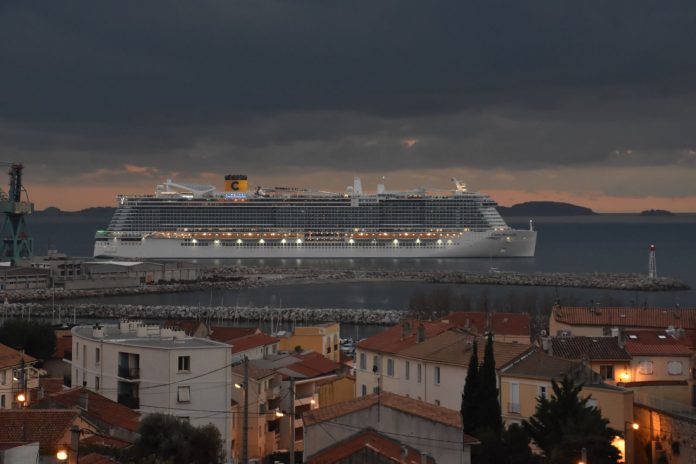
{"points": [[195, 221]]}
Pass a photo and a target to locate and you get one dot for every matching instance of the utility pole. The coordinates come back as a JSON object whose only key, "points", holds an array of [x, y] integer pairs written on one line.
{"points": [[74, 444], [292, 420], [245, 421]]}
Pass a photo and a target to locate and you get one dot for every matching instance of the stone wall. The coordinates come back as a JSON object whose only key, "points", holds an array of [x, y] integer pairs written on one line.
{"points": [[664, 437]]}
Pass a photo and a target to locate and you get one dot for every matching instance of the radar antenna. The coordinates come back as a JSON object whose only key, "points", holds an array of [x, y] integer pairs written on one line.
{"points": [[461, 186]]}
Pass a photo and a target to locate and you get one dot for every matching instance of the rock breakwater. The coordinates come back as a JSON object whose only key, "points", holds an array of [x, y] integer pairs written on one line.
{"points": [[219, 313]]}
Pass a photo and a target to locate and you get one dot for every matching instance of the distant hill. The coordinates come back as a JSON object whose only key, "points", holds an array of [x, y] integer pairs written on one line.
{"points": [[96, 212], [656, 212], [545, 208]]}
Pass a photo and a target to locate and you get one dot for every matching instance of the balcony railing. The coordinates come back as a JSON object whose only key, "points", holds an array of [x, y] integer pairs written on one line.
{"points": [[129, 401], [127, 372], [514, 408]]}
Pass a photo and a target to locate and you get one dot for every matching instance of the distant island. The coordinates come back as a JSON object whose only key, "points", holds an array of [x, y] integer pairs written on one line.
{"points": [[656, 212], [545, 208]]}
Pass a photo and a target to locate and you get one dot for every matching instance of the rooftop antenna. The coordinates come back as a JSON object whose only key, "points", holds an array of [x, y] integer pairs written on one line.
{"points": [[652, 264]]}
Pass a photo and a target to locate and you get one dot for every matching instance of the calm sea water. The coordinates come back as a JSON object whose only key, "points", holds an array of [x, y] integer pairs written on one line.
{"points": [[579, 245]]}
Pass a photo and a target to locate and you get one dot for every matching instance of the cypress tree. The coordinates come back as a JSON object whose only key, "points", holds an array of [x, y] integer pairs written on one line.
{"points": [[489, 415], [469, 409]]}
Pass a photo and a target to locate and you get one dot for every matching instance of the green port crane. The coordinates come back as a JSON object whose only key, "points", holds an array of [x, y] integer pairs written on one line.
{"points": [[15, 241]]}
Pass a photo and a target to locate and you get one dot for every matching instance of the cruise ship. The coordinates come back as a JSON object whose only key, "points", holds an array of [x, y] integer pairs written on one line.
{"points": [[191, 221]]}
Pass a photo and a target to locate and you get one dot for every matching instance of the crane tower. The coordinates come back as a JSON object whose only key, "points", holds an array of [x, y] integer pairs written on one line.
{"points": [[15, 241]]}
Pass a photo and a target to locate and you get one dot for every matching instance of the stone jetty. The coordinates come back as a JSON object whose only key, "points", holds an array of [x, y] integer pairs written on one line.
{"points": [[237, 277], [219, 313]]}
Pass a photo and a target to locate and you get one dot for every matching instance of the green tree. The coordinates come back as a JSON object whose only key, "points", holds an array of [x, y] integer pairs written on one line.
{"points": [[489, 416], [164, 438], [564, 424], [35, 338], [469, 408], [511, 448]]}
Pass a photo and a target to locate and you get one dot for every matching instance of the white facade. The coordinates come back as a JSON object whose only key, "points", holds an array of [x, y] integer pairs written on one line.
{"points": [[156, 370], [435, 383], [11, 379]]}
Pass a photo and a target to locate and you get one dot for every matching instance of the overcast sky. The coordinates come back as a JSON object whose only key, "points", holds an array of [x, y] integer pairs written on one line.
{"points": [[592, 102]]}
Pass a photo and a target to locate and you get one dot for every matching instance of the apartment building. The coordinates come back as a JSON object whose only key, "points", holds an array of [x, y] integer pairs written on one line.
{"points": [[154, 369], [322, 338], [432, 369], [264, 394], [15, 369]]}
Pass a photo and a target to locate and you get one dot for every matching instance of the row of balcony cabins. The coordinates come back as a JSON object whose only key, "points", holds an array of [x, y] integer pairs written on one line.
{"points": [[398, 399]]}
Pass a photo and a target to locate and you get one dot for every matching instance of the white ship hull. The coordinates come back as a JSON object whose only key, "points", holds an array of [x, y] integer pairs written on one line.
{"points": [[491, 244]]}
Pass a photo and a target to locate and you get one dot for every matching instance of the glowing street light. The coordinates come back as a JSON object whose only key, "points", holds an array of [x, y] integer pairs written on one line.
{"points": [[21, 398], [62, 455]]}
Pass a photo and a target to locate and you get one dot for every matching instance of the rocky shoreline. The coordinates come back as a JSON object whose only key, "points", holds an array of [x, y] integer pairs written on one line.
{"points": [[251, 277]]}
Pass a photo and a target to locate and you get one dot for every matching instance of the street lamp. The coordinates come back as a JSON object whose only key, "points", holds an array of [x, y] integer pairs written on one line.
{"points": [[62, 455], [21, 398]]}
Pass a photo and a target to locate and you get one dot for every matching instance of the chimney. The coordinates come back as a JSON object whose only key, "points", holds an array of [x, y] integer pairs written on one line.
{"points": [[421, 333], [84, 401]]}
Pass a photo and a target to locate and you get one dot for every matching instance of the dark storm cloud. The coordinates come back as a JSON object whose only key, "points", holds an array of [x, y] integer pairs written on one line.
{"points": [[184, 86]]}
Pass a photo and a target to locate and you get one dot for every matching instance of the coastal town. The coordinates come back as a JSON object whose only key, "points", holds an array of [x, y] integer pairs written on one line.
{"points": [[402, 394]]}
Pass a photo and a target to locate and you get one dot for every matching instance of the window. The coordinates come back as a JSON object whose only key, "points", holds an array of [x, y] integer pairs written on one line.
{"points": [[437, 402], [607, 372], [514, 403], [4, 377], [262, 408], [97, 382], [437, 376], [542, 391], [2, 401], [390, 367], [77, 351], [674, 368], [97, 356], [184, 363], [407, 371], [363, 390], [645, 367], [363, 362], [420, 373], [184, 394], [375, 364]]}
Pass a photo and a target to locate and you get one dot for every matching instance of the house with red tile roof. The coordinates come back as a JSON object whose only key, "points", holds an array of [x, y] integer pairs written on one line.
{"points": [[11, 375], [106, 416], [419, 426], [49, 427], [661, 365], [431, 367], [605, 355], [247, 342], [368, 445], [598, 321]]}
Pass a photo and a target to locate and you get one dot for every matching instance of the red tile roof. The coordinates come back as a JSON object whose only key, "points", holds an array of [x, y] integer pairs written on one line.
{"points": [[375, 442], [94, 458], [251, 341], [501, 323], [101, 440], [400, 403], [47, 426], [654, 343], [99, 408], [655, 383], [594, 348], [658, 318], [9, 357], [227, 334], [312, 364], [400, 336]]}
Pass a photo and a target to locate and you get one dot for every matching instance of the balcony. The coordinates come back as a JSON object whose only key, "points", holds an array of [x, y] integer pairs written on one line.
{"points": [[127, 372], [129, 401]]}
